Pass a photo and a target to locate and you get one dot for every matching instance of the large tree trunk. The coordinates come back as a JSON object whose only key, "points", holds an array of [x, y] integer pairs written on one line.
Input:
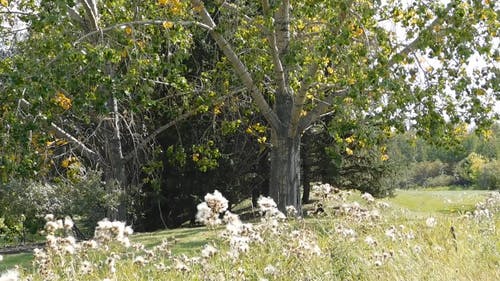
{"points": [[285, 171]]}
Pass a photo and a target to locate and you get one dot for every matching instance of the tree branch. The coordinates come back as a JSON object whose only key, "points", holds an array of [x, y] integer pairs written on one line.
{"points": [[239, 67], [92, 13], [319, 110], [61, 133], [140, 22], [412, 46], [179, 118], [278, 66], [300, 98], [85, 151]]}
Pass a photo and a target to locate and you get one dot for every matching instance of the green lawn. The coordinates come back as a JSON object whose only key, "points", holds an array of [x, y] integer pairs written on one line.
{"points": [[438, 200]]}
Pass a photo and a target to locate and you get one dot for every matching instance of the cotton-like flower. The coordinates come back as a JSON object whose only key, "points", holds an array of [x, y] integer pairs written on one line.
{"points": [[240, 243], [86, 267], [391, 233], [270, 270], [291, 211], [216, 202], [68, 223], [383, 205], [266, 204], [181, 266], [370, 241], [368, 197], [417, 249], [431, 222], [208, 251], [10, 275], [49, 217], [140, 260]]}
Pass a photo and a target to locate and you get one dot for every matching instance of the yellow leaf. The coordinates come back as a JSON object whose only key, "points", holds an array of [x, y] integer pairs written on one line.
{"points": [[128, 30], [168, 24], [4, 3], [196, 157], [162, 2], [198, 8], [349, 151], [63, 101]]}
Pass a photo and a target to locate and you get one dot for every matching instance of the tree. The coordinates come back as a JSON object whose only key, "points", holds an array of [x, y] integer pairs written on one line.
{"points": [[88, 94], [302, 61]]}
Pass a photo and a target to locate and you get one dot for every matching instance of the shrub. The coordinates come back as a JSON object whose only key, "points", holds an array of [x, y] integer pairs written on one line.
{"points": [[23, 201], [489, 176], [441, 180], [422, 171], [468, 169]]}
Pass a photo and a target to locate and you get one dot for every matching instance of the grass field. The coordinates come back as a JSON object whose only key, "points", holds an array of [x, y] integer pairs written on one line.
{"points": [[424, 234]]}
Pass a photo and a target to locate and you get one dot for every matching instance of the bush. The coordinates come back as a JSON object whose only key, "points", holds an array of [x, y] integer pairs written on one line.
{"points": [[489, 176], [468, 169], [422, 171], [23, 202], [441, 180]]}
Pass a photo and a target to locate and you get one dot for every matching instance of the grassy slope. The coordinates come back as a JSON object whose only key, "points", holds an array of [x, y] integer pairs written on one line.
{"points": [[469, 258], [438, 200]]}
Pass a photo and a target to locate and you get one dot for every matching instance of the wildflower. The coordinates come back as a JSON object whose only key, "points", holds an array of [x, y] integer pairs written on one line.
{"points": [[378, 263], [208, 251], [431, 222], [216, 202], [383, 205], [181, 266], [1, 258], [368, 197], [266, 204], [86, 267], [391, 233], [51, 227], [139, 260], [270, 270], [346, 232], [370, 241], [291, 211], [269, 208], [240, 243], [209, 211], [417, 249], [49, 217], [10, 275], [68, 223]]}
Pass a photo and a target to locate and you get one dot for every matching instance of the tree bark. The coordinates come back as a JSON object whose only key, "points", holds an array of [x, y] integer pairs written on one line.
{"points": [[285, 171]]}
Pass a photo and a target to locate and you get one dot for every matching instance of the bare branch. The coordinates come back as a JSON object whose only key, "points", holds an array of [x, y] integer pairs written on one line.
{"points": [[85, 151], [239, 67], [175, 121], [61, 133]]}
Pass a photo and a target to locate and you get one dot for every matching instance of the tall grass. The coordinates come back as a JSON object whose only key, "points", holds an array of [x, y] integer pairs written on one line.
{"points": [[351, 237]]}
